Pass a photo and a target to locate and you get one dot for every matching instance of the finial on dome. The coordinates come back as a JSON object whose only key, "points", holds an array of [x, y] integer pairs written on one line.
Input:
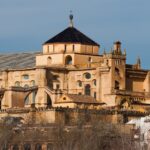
{"points": [[71, 19]]}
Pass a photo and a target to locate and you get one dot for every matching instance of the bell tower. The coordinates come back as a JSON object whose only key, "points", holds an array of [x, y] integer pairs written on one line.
{"points": [[118, 59]]}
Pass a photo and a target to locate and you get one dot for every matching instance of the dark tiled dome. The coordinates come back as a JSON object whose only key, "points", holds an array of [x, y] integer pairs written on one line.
{"points": [[71, 35]]}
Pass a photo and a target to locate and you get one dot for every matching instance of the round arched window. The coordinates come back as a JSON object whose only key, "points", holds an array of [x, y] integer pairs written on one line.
{"points": [[17, 83], [49, 60], [79, 83], [94, 82], [87, 75], [33, 83], [26, 86], [68, 60], [90, 59]]}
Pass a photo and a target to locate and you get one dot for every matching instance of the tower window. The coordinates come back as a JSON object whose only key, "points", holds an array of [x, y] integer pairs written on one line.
{"points": [[68, 60], [117, 71], [117, 85]]}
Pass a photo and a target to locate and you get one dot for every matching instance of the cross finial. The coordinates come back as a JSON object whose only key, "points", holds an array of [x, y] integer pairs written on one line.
{"points": [[71, 19]]}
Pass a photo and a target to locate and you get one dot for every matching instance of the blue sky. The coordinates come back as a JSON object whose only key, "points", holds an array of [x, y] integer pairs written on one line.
{"points": [[25, 25]]}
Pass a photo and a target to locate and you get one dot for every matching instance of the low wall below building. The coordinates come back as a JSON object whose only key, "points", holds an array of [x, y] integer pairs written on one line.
{"points": [[68, 116]]}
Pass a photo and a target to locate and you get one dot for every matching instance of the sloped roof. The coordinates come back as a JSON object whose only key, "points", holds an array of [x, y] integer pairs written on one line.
{"points": [[79, 99], [17, 60], [71, 35]]}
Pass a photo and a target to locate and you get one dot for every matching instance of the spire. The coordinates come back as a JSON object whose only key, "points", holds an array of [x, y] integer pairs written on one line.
{"points": [[125, 53], [104, 51], [71, 19], [138, 61]]}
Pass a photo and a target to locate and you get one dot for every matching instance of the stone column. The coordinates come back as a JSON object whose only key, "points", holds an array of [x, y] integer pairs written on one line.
{"points": [[98, 85], [41, 97], [7, 98]]}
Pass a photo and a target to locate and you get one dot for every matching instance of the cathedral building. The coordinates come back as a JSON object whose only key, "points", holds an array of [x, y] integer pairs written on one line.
{"points": [[71, 71]]}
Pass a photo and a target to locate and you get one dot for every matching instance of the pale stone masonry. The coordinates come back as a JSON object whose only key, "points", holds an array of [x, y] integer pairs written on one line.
{"points": [[70, 64]]}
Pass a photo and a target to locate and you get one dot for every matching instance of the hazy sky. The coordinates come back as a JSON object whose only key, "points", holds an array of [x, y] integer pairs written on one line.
{"points": [[26, 24]]}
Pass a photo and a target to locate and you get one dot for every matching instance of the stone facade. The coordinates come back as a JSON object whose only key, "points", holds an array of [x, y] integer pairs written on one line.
{"points": [[70, 63]]}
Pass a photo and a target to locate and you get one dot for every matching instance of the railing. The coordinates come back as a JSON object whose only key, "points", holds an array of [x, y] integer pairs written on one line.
{"points": [[131, 93]]}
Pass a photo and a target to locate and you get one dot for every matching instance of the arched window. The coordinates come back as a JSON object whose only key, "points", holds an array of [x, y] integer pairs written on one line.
{"points": [[89, 59], [49, 60], [68, 60], [79, 83], [117, 85], [27, 147], [32, 83], [94, 82], [17, 83], [38, 147], [15, 147], [87, 89], [26, 86], [87, 75], [49, 146], [117, 71]]}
